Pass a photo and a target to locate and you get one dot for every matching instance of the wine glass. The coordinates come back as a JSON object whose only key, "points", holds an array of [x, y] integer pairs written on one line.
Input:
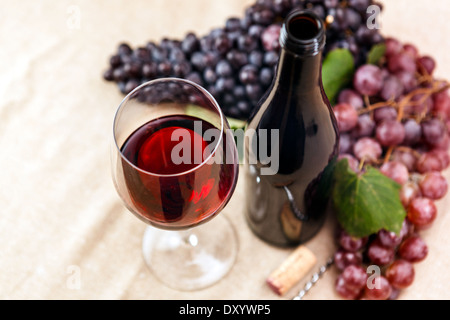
{"points": [[175, 166]]}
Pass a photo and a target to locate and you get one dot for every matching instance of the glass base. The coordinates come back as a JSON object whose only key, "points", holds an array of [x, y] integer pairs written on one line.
{"points": [[191, 259]]}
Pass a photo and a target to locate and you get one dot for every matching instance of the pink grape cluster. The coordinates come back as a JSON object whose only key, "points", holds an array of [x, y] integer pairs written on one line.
{"points": [[396, 117]]}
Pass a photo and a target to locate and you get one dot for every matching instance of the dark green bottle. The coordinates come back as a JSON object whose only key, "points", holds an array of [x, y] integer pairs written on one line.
{"points": [[288, 170]]}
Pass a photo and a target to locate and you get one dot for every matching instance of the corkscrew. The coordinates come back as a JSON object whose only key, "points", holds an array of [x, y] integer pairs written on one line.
{"points": [[314, 279]]}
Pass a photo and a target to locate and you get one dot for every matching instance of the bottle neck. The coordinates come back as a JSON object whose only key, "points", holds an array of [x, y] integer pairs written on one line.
{"points": [[299, 73], [302, 39]]}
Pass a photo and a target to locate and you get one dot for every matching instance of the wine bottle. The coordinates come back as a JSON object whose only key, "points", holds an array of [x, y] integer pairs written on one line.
{"points": [[288, 176]]}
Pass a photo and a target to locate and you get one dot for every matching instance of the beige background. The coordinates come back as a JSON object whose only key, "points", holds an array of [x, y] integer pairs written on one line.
{"points": [[60, 213]]}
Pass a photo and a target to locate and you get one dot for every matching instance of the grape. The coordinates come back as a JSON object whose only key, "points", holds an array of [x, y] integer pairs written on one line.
{"points": [[344, 258], [413, 249], [402, 62], [331, 3], [165, 69], [224, 69], [344, 291], [442, 104], [393, 46], [253, 91], [237, 58], [359, 5], [397, 171], [270, 37], [256, 58], [222, 44], [390, 133], [347, 18], [345, 144], [115, 61], [408, 80], [108, 75], [350, 243], [367, 149], [433, 130], [388, 238], [380, 289], [443, 157], [395, 293], [244, 106], [352, 98], [124, 49], [409, 192], [131, 85], [355, 277], [210, 75], [346, 116], [364, 128], [249, 74], [441, 144], [256, 30], [271, 58], [427, 64], [379, 254], [411, 50], [248, 44], [263, 17], [422, 212], [413, 132], [400, 274], [266, 76], [119, 74], [392, 88], [366, 36], [353, 163], [435, 160], [416, 108], [406, 229], [368, 80], [433, 185], [232, 24], [406, 157], [385, 113], [198, 61]]}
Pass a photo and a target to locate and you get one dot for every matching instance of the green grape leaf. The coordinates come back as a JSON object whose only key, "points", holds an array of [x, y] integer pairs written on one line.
{"points": [[236, 123], [337, 72], [366, 202], [376, 53]]}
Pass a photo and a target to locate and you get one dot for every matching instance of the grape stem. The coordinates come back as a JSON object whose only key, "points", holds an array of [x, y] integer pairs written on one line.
{"points": [[388, 155], [415, 153], [437, 86]]}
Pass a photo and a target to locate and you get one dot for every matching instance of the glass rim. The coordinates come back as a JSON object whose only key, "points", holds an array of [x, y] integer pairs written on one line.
{"points": [[207, 94]]}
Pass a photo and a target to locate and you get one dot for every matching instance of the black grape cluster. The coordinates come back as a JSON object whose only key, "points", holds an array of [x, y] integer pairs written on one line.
{"points": [[236, 63], [396, 117]]}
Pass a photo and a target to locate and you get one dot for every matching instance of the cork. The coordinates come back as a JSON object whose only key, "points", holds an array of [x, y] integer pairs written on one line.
{"points": [[292, 270]]}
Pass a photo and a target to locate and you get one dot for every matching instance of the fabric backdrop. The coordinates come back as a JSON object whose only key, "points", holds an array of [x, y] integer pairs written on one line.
{"points": [[64, 233]]}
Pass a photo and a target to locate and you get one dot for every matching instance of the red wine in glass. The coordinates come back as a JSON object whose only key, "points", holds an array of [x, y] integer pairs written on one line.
{"points": [[171, 194]]}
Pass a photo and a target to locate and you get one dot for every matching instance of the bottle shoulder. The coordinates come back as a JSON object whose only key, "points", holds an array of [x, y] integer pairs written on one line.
{"points": [[280, 106]]}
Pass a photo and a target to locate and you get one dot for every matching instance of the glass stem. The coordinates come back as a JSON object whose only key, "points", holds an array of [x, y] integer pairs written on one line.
{"points": [[189, 237]]}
